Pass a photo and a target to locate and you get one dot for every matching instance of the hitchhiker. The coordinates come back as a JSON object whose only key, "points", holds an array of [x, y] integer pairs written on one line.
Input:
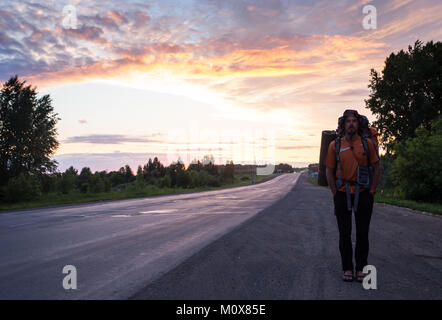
{"points": [[353, 185]]}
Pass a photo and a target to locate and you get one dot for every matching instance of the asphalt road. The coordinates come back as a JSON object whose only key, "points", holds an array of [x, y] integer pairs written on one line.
{"points": [[119, 247], [290, 251]]}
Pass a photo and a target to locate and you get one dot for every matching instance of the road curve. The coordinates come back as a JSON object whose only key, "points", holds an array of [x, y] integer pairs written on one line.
{"points": [[119, 247]]}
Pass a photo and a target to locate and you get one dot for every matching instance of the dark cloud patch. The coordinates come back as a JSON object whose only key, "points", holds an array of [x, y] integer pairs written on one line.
{"points": [[86, 33], [139, 19], [99, 21], [296, 147], [354, 92], [10, 21], [107, 139]]}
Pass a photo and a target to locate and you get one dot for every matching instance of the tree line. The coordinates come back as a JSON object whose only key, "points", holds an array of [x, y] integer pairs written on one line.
{"points": [[26, 186], [406, 98]]}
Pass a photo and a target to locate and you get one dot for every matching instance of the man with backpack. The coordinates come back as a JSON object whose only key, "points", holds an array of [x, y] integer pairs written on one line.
{"points": [[353, 173]]}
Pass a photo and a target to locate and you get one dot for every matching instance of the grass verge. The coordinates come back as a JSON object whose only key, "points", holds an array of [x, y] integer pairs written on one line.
{"points": [[435, 208], [388, 198]]}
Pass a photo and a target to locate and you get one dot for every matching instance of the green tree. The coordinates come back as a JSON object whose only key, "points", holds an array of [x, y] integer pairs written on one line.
{"points": [[183, 179], [195, 165], [408, 92], [193, 178], [67, 181], [83, 179], [129, 176], [107, 184], [209, 164], [417, 170], [118, 177], [165, 182], [140, 183], [153, 170], [173, 170], [27, 131], [203, 178], [23, 187], [48, 182], [96, 183], [386, 163], [229, 170]]}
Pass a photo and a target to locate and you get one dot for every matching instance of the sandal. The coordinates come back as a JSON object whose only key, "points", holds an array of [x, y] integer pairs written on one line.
{"points": [[348, 275], [360, 276]]}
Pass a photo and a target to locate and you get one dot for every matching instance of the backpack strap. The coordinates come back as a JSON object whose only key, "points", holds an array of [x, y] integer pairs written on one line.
{"points": [[338, 158], [365, 145], [339, 181], [374, 146], [346, 183]]}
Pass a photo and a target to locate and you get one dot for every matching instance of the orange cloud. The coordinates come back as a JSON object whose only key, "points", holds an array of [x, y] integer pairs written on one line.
{"points": [[321, 55]]}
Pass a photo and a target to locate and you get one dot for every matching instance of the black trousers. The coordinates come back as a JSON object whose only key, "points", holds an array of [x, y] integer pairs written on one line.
{"points": [[362, 219]]}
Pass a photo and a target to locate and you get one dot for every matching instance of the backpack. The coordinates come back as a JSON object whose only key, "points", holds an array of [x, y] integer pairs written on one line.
{"points": [[366, 133]]}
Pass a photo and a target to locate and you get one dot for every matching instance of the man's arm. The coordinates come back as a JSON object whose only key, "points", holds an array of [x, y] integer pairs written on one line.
{"points": [[330, 174], [376, 177]]}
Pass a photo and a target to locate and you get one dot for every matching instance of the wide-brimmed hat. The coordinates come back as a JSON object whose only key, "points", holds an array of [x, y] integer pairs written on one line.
{"points": [[350, 112]]}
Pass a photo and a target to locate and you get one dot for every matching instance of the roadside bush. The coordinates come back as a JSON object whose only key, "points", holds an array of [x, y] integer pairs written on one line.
{"points": [[84, 187], [417, 170], [66, 182], [194, 179], [386, 163], [48, 182], [107, 184], [202, 178], [165, 182], [139, 183], [22, 188], [183, 179], [214, 181], [96, 184], [84, 176], [2, 193]]}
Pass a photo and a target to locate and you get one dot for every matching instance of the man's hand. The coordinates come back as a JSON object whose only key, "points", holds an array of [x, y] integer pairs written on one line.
{"points": [[331, 180]]}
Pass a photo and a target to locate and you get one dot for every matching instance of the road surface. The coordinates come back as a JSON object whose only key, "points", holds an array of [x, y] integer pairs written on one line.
{"points": [[118, 247], [274, 240], [290, 251]]}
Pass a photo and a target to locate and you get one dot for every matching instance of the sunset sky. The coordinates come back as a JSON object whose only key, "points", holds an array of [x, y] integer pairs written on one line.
{"points": [[252, 81]]}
